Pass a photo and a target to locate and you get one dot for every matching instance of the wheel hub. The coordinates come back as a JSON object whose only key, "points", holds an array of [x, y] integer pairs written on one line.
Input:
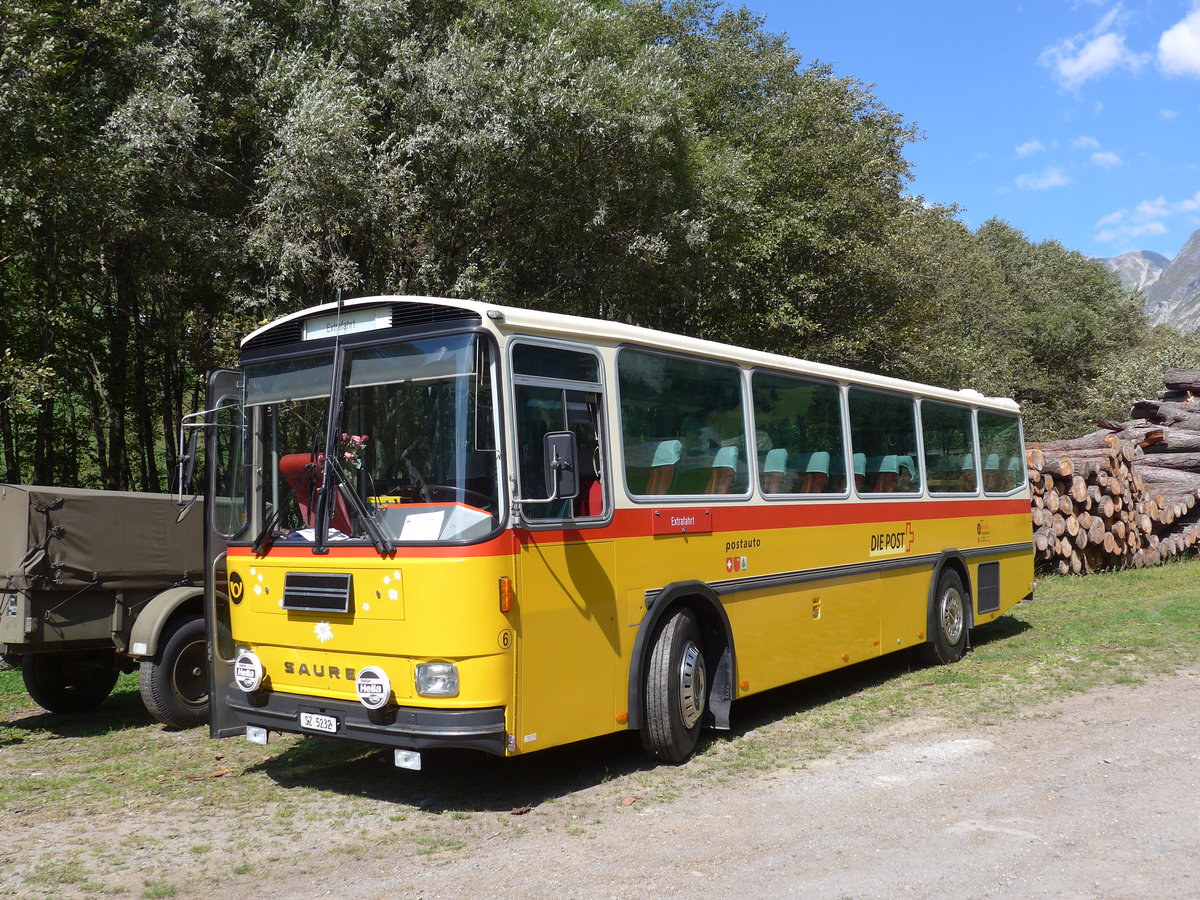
{"points": [[953, 616], [692, 684]]}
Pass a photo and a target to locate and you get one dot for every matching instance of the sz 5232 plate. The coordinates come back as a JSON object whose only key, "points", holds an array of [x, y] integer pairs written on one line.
{"points": [[318, 722]]}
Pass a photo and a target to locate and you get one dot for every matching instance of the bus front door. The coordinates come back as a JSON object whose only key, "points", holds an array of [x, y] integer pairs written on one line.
{"points": [[226, 517]]}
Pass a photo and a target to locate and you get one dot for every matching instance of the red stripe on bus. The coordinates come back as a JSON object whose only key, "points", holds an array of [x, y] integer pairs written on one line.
{"points": [[635, 523], [639, 522]]}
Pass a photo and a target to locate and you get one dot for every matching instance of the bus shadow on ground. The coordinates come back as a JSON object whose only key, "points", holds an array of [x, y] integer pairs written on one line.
{"points": [[470, 781]]}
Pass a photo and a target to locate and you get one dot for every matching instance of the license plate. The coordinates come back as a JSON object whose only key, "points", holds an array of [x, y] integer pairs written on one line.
{"points": [[318, 722]]}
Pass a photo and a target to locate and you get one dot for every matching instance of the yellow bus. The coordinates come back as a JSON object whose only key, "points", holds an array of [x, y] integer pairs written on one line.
{"points": [[439, 523]]}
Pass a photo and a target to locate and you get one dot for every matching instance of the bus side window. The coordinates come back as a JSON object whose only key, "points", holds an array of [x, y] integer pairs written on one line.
{"points": [[949, 448], [1000, 436], [559, 406], [798, 433], [883, 433], [683, 426]]}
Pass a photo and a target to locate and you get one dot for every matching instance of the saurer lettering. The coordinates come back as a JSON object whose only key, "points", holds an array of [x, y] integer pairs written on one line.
{"points": [[319, 671]]}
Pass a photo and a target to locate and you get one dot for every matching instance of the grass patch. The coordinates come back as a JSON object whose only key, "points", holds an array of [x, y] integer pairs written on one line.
{"points": [[159, 890]]}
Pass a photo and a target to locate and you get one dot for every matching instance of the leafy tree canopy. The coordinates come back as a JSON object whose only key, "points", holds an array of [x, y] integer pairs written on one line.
{"points": [[174, 171]]}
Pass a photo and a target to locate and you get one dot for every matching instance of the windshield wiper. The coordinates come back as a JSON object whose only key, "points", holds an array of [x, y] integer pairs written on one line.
{"points": [[337, 390], [355, 502], [332, 472], [263, 536]]}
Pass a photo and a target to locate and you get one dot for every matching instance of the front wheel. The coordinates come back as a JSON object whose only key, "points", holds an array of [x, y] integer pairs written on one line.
{"points": [[676, 690], [70, 682], [175, 682], [948, 621]]}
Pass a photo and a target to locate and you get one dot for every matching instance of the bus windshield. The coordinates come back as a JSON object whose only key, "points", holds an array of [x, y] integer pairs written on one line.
{"points": [[415, 447]]}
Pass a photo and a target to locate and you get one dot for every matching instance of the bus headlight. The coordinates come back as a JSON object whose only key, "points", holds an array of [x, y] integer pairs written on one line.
{"points": [[248, 671], [437, 680]]}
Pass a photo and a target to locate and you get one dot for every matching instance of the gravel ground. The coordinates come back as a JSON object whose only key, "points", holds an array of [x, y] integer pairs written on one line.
{"points": [[1097, 796]]}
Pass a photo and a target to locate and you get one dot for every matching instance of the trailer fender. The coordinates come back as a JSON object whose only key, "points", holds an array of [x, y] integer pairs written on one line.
{"points": [[143, 638]]}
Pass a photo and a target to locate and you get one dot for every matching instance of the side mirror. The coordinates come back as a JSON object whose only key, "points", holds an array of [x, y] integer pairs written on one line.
{"points": [[185, 508], [561, 454]]}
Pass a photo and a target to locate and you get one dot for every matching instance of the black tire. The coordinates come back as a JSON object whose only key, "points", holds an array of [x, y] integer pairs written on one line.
{"points": [[175, 682], [947, 639], [676, 689], [71, 682]]}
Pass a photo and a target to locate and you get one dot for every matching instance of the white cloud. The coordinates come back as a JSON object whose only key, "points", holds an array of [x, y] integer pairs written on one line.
{"points": [[1157, 208], [1167, 114], [1042, 181], [1083, 142], [1107, 160], [1179, 46], [1150, 217], [1078, 59], [1030, 147]]}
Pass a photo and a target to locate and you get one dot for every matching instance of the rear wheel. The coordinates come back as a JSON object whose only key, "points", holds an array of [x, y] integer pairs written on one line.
{"points": [[947, 622], [71, 682], [175, 682], [676, 689]]}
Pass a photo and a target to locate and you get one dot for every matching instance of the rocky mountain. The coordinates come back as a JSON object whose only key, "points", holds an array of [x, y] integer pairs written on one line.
{"points": [[1171, 286], [1138, 269], [1174, 297]]}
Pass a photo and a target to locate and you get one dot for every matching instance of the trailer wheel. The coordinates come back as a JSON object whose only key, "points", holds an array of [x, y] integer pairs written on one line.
{"points": [[676, 690], [70, 682], [175, 682]]}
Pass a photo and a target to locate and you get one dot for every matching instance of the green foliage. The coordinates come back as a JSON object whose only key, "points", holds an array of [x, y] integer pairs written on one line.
{"points": [[176, 171]]}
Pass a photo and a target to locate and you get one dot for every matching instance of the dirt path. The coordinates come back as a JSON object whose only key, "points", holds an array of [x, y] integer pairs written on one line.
{"points": [[1099, 796]]}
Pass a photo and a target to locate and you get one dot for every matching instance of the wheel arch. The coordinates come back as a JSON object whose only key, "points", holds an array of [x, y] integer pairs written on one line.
{"points": [[957, 563], [718, 637], [160, 610]]}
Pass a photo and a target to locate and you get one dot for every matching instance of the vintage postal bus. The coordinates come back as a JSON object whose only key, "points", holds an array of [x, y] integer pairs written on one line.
{"points": [[442, 523]]}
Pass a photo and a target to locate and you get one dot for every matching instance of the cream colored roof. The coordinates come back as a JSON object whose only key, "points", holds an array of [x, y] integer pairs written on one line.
{"points": [[509, 320]]}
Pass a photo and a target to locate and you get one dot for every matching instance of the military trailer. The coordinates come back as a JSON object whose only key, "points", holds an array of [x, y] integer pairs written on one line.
{"points": [[94, 583]]}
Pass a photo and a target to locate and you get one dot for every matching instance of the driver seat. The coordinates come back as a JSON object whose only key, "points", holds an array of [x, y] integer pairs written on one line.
{"points": [[302, 472]]}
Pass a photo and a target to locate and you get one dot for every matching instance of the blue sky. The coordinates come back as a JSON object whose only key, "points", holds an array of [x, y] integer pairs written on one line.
{"points": [[1074, 120]]}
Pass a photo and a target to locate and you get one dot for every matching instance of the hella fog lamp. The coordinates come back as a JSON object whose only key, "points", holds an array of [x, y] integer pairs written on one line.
{"points": [[248, 671], [373, 687], [437, 680]]}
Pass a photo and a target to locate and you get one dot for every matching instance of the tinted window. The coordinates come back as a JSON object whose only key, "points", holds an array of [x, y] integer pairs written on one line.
{"points": [[555, 362], [683, 426], [1001, 452], [798, 435], [949, 448], [883, 440]]}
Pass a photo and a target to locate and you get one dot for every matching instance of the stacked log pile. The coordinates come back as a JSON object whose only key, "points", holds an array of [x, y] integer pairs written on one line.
{"points": [[1125, 495]]}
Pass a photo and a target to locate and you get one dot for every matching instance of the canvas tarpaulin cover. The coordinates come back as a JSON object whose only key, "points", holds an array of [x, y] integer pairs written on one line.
{"points": [[69, 538]]}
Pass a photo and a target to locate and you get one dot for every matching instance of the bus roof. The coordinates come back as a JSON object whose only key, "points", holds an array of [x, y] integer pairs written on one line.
{"points": [[508, 320]]}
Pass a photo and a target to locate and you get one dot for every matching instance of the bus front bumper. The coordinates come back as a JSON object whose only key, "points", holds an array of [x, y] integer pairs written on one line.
{"points": [[404, 727]]}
